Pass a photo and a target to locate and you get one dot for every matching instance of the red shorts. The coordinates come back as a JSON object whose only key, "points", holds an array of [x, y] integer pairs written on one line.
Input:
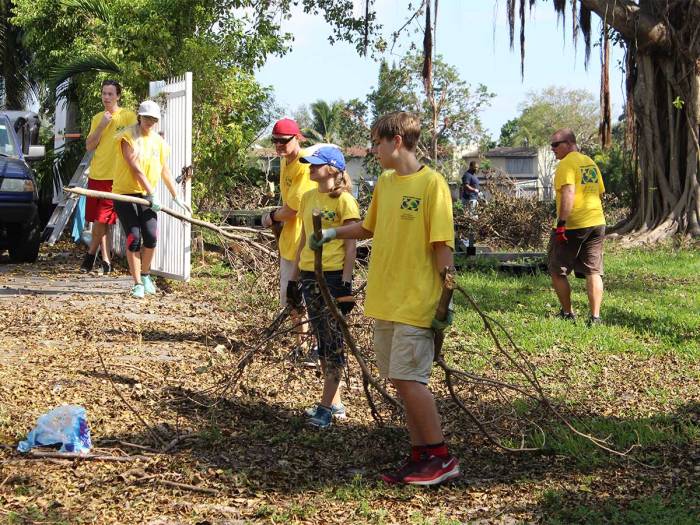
{"points": [[100, 210]]}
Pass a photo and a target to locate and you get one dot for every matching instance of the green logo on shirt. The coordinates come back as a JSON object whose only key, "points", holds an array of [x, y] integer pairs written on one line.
{"points": [[589, 175], [410, 203], [328, 215]]}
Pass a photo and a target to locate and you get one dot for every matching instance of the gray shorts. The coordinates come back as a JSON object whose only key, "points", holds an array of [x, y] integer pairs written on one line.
{"points": [[404, 351]]}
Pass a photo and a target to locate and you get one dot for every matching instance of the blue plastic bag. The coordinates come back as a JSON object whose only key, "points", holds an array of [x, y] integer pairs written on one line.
{"points": [[66, 425]]}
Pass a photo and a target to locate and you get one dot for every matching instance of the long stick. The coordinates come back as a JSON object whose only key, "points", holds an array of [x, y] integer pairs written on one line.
{"points": [[173, 213]]}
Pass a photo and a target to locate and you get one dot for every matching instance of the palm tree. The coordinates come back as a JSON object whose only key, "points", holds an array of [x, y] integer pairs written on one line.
{"points": [[326, 119], [18, 87]]}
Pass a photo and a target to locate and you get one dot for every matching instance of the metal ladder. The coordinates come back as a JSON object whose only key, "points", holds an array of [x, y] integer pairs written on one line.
{"points": [[66, 206]]}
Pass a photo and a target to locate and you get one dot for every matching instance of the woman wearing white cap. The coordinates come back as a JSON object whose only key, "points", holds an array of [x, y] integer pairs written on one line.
{"points": [[141, 165]]}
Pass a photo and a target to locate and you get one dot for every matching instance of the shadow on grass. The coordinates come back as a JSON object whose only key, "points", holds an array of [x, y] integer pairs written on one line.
{"points": [[679, 506], [663, 327], [264, 446]]}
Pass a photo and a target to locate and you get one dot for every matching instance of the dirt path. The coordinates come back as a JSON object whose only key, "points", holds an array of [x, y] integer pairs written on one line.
{"points": [[250, 452]]}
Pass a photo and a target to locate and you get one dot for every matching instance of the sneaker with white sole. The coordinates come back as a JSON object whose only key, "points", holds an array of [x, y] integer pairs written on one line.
{"points": [[338, 411], [433, 471], [148, 286], [394, 477], [137, 291], [322, 419]]}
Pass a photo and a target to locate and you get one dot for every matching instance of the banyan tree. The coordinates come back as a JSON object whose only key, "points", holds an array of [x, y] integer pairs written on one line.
{"points": [[661, 39]]}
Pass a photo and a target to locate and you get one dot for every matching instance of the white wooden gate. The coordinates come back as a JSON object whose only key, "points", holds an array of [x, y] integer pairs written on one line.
{"points": [[172, 257]]}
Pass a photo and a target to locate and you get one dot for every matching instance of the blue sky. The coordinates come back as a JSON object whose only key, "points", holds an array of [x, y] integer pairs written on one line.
{"points": [[472, 35]]}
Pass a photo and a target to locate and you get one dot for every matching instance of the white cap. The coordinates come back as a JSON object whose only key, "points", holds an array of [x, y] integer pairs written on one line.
{"points": [[148, 108]]}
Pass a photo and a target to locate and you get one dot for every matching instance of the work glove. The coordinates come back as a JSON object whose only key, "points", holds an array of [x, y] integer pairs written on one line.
{"points": [[294, 298], [560, 233], [326, 236], [346, 307], [182, 205], [153, 201], [441, 326]]}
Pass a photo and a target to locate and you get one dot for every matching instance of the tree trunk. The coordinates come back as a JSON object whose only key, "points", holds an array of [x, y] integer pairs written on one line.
{"points": [[663, 85], [666, 105]]}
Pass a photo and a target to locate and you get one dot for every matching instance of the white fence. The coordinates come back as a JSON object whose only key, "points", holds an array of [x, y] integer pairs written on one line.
{"points": [[172, 257]]}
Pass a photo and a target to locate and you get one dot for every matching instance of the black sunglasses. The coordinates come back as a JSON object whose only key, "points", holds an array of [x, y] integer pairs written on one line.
{"points": [[555, 144], [282, 141]]}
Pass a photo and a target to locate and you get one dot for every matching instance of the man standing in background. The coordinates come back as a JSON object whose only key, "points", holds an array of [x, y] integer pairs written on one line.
{"points": [[470, 186], [576, 243], [100, 212]]}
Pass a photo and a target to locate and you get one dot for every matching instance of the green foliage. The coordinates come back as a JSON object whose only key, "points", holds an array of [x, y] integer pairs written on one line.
{"points": [[17, 84], [545, 112], [449, 117], [617, 169]]}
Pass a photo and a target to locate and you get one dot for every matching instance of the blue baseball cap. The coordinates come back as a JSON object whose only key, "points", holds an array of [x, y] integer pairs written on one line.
{"points": [[326, 155]]}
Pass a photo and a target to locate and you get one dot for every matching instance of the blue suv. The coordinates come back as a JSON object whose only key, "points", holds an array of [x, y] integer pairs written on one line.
{"points": [[20, 231]]}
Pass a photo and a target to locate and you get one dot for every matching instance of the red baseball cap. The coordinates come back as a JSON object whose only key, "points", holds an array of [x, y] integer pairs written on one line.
{"points": [[287, 127]]}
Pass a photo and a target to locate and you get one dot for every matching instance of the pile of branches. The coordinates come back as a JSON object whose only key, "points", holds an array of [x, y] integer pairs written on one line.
{"points": [[506, 219]]}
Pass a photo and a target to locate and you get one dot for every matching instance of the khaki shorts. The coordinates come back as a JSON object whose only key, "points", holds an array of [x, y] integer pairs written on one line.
{"points": [[287, 270], [583, 254], [403, 351]]}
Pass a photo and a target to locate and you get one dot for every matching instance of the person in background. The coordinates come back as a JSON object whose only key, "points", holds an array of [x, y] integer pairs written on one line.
{"points": [[576, 242], [100, 212], [140, 166], [470, 186]]}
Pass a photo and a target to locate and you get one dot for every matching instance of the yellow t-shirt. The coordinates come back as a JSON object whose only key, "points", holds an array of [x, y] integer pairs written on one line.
{"points": [[107, 152], [152, 153], [579, 170], [407, 214], [334, 212], [294, 182]]}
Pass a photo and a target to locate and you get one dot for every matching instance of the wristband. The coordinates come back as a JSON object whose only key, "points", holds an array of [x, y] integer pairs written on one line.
{"points": [[560, 223]]}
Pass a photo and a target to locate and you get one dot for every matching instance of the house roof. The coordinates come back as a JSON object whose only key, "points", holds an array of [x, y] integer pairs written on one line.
{"points": [[511, 152]]}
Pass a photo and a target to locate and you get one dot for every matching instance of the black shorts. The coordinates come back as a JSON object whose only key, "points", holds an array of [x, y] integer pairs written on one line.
{"points": [[329, 336]]}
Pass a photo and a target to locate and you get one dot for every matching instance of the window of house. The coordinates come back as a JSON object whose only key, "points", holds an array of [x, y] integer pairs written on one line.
{"points": [[516, 166]]}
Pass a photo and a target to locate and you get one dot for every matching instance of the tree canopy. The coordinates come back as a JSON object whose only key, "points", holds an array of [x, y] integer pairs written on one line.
{"points": [[552, 108]]}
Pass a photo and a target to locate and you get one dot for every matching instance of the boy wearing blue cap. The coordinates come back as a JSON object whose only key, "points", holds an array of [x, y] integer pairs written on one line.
{"points": [[410, 220], [338, 207]]}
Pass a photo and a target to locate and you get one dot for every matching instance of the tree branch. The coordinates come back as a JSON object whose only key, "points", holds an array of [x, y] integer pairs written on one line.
{"points": [[627, 18]]}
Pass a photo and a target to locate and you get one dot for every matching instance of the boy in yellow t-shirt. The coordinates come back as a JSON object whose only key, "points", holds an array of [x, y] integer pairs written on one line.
{"points": [[337, 206], [100, 212], [410, 220]]}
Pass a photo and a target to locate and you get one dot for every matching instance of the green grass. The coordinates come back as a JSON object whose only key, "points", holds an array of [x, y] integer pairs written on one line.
{"points": [[680, 508], [645, 433], [650, 306]]}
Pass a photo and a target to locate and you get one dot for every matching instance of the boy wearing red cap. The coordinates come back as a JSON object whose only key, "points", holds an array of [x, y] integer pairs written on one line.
{"points": [[410, 221]]}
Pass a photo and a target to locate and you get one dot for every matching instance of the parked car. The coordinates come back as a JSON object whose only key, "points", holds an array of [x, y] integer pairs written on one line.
{"points": [[20, 230]]}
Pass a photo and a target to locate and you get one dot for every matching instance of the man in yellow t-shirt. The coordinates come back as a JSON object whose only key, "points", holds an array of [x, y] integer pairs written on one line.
{"points": [[576, 243], [100, 212], [410, 220]]}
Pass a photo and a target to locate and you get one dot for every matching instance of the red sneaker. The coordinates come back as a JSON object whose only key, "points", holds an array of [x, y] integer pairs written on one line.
{"points": [[433, 471], [397, 476]]}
